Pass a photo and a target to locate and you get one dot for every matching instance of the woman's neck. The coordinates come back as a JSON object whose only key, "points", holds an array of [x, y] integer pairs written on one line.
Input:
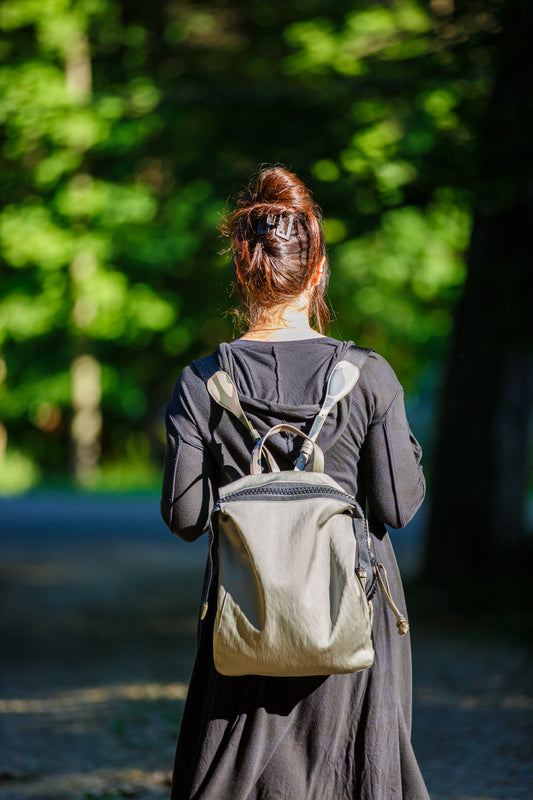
{"points": [[291, 324]]}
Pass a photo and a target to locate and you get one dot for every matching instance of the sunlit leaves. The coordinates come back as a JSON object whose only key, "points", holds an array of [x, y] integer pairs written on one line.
{"points": [[384, 31], [80, 130], [110, 204], [23, 316], [126, 127], [178, 339], [335, 230], [51, 169], [398, 278], [391, 175], [439, 104], [34, 389], [57, 22], [149, 311], [29, 236], [143, 96], [26, 108], [318, 49], [106, 306], [374, 143], [412, 247], [18, 472], [326, 170]]}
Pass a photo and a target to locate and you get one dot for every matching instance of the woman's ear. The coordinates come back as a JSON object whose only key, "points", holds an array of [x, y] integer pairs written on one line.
{"points": [[319, 271]]}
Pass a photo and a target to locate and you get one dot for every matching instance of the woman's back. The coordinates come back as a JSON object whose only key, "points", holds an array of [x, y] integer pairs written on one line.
{"points": [[285, 381]]}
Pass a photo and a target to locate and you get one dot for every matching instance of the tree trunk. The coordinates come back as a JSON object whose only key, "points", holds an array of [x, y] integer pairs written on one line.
{"points": [[479, 485], [86, 425], [85, 372]]}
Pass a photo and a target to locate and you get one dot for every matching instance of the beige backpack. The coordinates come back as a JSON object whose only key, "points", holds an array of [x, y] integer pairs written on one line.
{"points": [[291, 589]]}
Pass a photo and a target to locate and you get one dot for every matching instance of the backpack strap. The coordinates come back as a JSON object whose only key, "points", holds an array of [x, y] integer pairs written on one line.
{"points": [[224, 392], [365, 552], [357, 355], [374, 572], [341, 380]]}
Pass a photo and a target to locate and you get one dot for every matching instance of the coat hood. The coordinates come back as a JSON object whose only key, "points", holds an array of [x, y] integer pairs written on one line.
{"points": [[255, 368]]}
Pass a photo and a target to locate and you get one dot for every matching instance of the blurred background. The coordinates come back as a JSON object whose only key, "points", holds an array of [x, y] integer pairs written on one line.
{"points": [[125, 130]]}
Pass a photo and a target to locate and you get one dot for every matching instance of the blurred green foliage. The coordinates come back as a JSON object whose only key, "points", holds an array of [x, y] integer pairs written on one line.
{"points": [[125, 127]]}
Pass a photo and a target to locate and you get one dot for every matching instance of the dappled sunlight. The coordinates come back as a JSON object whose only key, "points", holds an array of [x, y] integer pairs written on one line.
{"points": [[435, 697], [91, 784], [447, 796], [77, 699]]}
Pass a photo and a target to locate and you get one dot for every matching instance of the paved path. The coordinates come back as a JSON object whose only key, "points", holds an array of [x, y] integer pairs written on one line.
{"points": [[98, 611]]}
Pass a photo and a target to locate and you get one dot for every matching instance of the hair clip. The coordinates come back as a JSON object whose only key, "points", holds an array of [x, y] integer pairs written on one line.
{"points": [[288, 228], [265, 224]]}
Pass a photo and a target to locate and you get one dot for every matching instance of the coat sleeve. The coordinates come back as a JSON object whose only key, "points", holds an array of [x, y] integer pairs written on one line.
{"points": [[391, 466], [189, 472]]}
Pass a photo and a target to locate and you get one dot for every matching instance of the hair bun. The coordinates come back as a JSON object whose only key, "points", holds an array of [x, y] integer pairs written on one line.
{"points": [[278, 191], [277, 240]]}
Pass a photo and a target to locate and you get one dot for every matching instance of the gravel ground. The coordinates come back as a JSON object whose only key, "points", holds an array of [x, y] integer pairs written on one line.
{"points": [[98, 636]]}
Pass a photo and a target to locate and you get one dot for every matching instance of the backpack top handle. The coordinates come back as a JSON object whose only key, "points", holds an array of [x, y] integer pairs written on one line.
{"points": [[255, 461]]}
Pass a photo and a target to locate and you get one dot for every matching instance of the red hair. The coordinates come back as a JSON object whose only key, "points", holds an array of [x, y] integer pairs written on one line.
{"points": [[272, 270]]}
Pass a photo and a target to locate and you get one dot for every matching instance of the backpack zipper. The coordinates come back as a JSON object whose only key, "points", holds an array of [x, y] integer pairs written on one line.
{"points": [[209, 576], [293, 491]]}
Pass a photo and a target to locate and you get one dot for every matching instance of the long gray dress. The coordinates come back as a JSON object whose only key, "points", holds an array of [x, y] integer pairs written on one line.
{"points": [[338, 737]]}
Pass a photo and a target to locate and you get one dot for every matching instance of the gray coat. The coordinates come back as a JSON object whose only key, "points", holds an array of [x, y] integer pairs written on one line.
{"points": [[339, 737]]}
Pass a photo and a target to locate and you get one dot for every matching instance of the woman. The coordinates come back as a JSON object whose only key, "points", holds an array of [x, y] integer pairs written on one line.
{"points": [[337, 737]]}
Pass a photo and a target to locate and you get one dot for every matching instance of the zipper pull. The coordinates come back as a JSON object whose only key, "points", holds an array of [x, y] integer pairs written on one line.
{"points": [[401, 621], [209, 576]]}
